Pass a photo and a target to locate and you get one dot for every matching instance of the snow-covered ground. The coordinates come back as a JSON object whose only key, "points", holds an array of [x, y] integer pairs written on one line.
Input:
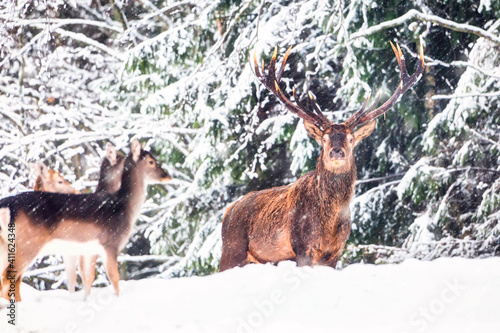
{"points": [[445, 295]]}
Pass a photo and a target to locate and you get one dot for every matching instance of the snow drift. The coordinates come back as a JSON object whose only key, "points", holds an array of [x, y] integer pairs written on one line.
{"points": [[445, 295]]}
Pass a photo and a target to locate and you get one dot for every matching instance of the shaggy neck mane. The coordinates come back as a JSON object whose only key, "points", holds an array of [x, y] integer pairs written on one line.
{"points": [[328, 190]]}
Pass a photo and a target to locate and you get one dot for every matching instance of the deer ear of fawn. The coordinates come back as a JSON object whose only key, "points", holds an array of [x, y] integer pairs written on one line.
{"points": [[313, 131], [135, 149], [39, 169], [111, 153], [364, 131]]}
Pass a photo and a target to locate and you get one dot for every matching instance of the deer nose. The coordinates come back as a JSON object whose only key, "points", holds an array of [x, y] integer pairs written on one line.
{"points": [[337, 153]]}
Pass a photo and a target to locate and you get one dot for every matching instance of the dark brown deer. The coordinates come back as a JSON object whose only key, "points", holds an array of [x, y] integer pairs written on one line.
{"points": [[97, 223], [110, 175], [308, 221]]}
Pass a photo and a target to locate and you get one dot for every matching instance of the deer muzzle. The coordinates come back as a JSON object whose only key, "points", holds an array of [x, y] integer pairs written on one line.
{"points": [[337, 153]]}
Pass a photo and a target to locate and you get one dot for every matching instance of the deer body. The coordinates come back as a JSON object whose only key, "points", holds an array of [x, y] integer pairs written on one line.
{"points": [[48, 180], [98, 223], [281, 224], [308, 221], [110, 175]]}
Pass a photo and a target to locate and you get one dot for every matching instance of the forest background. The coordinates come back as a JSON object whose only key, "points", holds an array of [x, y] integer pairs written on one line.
{"points": [[75, 75]]}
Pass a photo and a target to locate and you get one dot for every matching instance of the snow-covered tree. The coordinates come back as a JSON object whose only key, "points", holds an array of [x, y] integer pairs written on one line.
{"points": [[178, 75]]}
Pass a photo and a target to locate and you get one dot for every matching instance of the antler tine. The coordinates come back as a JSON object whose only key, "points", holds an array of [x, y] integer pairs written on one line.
{"points": [[283, 63], [271, 70], [316, 108], [357, 115], [256, 65], [296, 109], [270, 81], [322, 118], [370, 108], [363, 117]]}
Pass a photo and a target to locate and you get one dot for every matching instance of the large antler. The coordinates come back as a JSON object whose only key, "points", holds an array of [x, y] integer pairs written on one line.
{"points": [[363, 116], [271, 82]]}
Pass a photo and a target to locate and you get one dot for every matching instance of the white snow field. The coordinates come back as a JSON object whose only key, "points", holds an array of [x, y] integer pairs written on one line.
{"points": [[444, 295]]}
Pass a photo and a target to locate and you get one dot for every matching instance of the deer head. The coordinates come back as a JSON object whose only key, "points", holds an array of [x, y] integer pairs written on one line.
{"points": [[110, 173], [337, 140], [49, 180], [146, 164]]}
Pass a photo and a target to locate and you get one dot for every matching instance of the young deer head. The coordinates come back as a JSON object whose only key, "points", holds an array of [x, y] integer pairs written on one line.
{"points": [[49, 180], [110, 174], [309, 220]]}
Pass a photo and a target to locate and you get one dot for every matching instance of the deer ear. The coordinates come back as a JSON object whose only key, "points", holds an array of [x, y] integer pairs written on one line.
{"points": [[4, 219], [364, 131], [313, 131], [135, 149], [40, 169], [111, 153]]}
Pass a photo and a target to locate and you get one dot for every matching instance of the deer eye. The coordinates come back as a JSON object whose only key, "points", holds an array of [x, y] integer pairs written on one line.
{"points": [[151, 162], [60, 182]]}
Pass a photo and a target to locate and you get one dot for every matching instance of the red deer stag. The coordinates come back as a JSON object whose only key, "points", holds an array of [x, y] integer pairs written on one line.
{"points": [[96, 223], [308, 221]]}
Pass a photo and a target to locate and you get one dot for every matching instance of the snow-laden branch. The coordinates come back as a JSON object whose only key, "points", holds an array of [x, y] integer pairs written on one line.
{"points": [[165, 10], [429, 62], [482, 136], [64, 22], [376, 179], [492, 94], [89, 41], [414, 14]]}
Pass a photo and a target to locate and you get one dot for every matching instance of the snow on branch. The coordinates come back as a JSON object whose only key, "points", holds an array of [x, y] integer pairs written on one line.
{"points": [[455, 96], [482, 136], [463, 64], [63, 22], [89, 41], [414, 14]]}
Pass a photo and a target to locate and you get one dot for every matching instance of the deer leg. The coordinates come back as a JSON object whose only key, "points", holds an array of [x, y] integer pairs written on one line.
{"points": [[87, 270], [29, 242], [304, 252], [233, 255], [332, 262], [112, 269], [234, 241], [251, 259], [70, 267]]}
